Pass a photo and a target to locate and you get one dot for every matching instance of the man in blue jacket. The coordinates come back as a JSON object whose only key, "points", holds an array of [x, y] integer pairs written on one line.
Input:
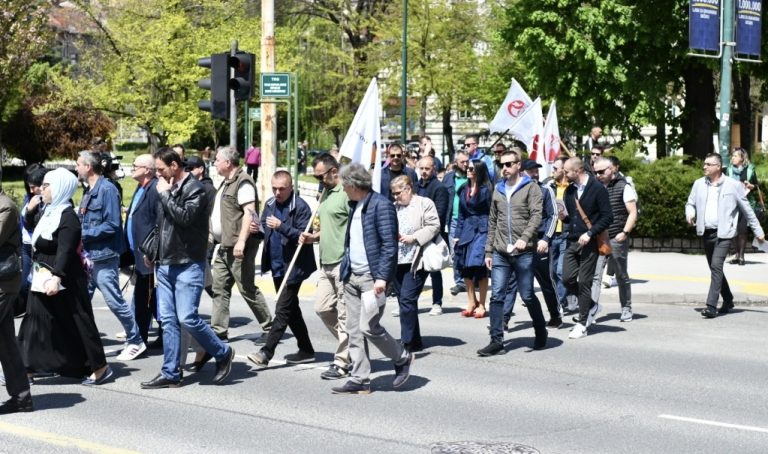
{"points": [[284, 218], [369, 263], [103, 241]]}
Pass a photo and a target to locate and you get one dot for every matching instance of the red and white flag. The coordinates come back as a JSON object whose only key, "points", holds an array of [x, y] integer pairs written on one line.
{"points": [[512, 109], [550, 139], [363, 139]]}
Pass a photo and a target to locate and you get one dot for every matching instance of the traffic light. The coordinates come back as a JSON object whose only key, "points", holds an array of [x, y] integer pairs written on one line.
{"points": [[242, 82], [218, 84]]}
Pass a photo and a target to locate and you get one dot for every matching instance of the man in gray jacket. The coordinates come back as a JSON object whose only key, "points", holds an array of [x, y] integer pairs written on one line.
{"points": [[713, 207]]}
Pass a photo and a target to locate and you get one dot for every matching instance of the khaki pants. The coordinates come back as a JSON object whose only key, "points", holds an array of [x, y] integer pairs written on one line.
{"points": [[331, 309]]}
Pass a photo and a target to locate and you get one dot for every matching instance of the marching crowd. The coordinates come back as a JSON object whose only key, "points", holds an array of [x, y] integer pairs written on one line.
{"points": [[185, 236]]}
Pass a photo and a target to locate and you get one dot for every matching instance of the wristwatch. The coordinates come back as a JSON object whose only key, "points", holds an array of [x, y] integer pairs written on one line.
{"points": [[625, 232]]}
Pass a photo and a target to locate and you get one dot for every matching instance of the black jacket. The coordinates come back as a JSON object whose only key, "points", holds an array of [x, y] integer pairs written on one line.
{"points": [[183, 221], [142, 222], [435, 191], [596, 205]]}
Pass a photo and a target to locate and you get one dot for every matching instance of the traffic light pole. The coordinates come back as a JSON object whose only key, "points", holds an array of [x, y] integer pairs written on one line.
{"points": [[232, 103]]}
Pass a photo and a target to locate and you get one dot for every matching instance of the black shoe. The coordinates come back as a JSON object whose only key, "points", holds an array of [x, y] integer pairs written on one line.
{"points": [[555, 322], [414, 347], [491, 349], [577, 319], [541, 341], [299, 357], [224, 367], [223, 337], [351, 387], [197, 365], [334, 372], [742, 262], [709, 312], [17, 405], [258, 358], [403, 371], [456, 289], [725, 308], [160, 382]]}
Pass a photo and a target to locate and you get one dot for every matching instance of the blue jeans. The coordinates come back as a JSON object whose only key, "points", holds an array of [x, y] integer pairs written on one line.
{"points": [[521, 268], [178, 296], [556, 254], [105, 278], [457, 279]]}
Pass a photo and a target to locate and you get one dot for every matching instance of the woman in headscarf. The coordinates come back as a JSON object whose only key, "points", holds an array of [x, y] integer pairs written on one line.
{"points": [[59, 333]]}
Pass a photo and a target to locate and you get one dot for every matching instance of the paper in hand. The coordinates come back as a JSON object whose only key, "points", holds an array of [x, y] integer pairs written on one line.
{"points": [[761, 246]]}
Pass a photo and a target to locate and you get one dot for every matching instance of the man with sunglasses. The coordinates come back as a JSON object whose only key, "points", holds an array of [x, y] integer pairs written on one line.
{"points": [[333, 214], [713, 206], [394, 169], [623, 198]]}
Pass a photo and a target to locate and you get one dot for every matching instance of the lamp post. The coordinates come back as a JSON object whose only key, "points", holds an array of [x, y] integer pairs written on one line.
{"points": [[404, 82], [725, 80]]}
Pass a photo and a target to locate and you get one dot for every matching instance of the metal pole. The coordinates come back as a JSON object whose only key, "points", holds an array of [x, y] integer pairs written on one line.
{"points": [[232, 103], [246, 127], [268, 110], [296, 127], [404, 81], [725, 79]]}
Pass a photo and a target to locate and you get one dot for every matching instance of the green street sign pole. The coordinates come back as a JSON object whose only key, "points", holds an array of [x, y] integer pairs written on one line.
{"points": [[726, 62], [248, 133], [296, 128], [404, 82]]}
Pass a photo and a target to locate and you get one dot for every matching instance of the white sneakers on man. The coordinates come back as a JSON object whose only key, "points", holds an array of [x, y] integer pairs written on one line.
{"points": [[436, 310], [578, 331], [131, 352]]}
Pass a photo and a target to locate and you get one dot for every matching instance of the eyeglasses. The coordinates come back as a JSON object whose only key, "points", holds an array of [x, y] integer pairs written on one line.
{"points": [[469, 144], [597, 154], [397, 193], [395, 155], [322, 175], [709, 164], [470, 169], [509, 164], [600, 172]]}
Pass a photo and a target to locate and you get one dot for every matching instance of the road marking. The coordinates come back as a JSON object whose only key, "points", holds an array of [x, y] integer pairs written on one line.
{"points": [[753, 288], [716, 423], [61, 440]]}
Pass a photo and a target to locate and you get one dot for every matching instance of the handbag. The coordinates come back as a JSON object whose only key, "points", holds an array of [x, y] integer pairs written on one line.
{"points": [[150, 247], [10, 262], [602, 239], [435, 255]]}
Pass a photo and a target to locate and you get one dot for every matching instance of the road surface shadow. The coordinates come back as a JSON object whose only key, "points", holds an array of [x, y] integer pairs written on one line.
{"points": [[50, 401]]}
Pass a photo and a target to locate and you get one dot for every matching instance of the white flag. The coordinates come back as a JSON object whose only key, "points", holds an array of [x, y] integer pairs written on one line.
{"points": [[529, 125], [361, 144], [550, 140], [512, 109]]}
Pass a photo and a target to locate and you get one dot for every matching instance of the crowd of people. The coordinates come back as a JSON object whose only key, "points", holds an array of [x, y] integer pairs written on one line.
{"points": [[504, 227]]}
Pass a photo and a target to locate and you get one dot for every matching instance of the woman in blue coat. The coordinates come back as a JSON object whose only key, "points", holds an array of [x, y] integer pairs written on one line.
{"points": [[471, 234]]}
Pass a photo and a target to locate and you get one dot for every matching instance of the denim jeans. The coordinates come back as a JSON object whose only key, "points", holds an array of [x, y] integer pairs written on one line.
{"points": [[521, 267], [409, 288], [556, 254], [178, 294], [619, 259], [457, 279], [716, 249], [105, 278]]}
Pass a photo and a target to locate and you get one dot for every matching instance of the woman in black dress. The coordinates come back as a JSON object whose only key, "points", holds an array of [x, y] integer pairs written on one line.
{"points": [[58, 333]]}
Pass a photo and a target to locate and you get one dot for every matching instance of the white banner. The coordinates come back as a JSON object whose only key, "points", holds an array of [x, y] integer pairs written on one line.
{"points": [[516, 103], [363, 140]]}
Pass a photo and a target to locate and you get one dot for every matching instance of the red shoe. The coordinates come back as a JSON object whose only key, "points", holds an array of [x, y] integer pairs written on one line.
{"points": [[468, 314]]}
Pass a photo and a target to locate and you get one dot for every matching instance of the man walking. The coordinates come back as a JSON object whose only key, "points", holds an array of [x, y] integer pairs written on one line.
{"points": [[713, 206], [102, 236], [432, 188], [394, 169], [285, 217], [370, 260], [623, 199], [333, 214], [454, 180], [183, 232], [588, 195], [516, 207], [235, 263]]}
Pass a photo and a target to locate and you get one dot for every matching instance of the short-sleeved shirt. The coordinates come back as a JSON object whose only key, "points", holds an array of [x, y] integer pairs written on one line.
{"points": [[334, 215], [246, 193]]}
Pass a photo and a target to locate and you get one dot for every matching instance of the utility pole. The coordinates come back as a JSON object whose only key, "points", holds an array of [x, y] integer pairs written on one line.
{"points": [[404, 82], [726, 62], [268, 110]]}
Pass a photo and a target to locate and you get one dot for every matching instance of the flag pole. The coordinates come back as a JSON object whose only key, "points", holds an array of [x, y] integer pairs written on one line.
{"points": [[298, 249], [562, 144], [500, 137]]}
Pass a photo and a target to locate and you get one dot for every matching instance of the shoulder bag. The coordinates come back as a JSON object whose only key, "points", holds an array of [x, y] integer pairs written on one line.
{"points": [[602, 239], [150, 247]]}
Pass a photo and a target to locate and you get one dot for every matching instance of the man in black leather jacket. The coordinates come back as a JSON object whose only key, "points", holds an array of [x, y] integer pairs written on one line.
{"points": [[183, 223]]}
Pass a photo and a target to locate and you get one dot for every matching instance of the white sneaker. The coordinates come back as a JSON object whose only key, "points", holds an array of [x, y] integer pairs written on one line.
{"points": [[614, 282], [578, 331], [121, 336], [573, 303], [436, 310], [626, 314], [606, 283], [131, 352], [396, 311], [592, 314]]}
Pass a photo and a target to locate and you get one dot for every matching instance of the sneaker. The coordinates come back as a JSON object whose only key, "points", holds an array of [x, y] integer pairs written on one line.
{"points": [[606, 283], [491, 349], [456, 289], [121, 336], [351, 387], [555, 322], [626, 314], [131, 352], [573, 304], [258, 358], [334, 372], [592, 314], [299, 357], [578, 332], [396, 311], [436, 310], [614, 282], [403, 371]]}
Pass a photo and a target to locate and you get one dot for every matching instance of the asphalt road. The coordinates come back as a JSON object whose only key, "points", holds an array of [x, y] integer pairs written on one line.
{"points": [[669, 381]]}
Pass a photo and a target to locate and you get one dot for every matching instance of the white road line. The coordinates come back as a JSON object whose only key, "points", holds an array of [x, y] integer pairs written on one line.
{"points": [[716, 423]]}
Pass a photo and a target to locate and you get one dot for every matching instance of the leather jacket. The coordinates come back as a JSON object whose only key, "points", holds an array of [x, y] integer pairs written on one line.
{"points": [[183, 222]]}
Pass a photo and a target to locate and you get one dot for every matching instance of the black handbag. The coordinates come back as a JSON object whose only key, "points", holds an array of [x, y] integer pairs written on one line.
{"points": [[10, 262], [150, 247]]}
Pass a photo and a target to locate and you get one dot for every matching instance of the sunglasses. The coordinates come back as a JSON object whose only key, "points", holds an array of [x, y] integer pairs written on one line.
{"points": [[470, 169], [600, 172], [320, 176], [391, 155], [597, 154], [469, 144], [509, 164]]}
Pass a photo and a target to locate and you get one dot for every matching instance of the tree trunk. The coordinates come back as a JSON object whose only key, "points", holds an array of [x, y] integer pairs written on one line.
{"points": [[661, 138], [423, 117], [699, 114], [743, 113], [448, 131]]}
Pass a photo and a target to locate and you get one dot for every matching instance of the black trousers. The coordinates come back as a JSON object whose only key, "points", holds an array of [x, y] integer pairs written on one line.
{"points": [[16, 382], [579, 266], [287, 315], [543, 274], [716, 249], [144, 303]]}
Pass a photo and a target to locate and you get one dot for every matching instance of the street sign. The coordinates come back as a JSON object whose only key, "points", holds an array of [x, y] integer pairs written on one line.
{"points": [[275, 85], [255, 113]]}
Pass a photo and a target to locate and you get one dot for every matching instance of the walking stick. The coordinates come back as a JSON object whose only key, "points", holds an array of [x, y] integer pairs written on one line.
{"points": [[298, 249]]}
